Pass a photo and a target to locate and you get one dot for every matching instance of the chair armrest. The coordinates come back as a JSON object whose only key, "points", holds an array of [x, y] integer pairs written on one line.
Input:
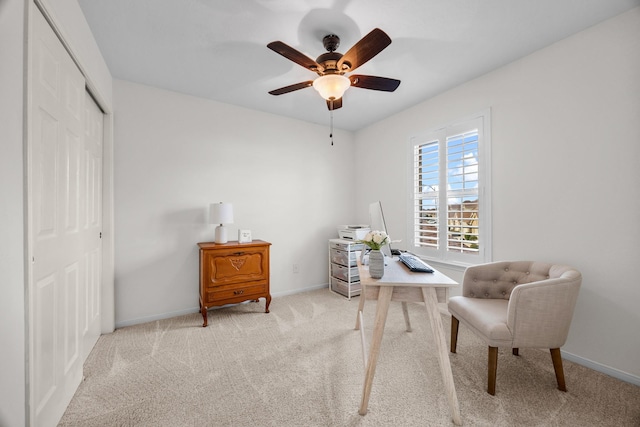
{"points": [[539, 314]]}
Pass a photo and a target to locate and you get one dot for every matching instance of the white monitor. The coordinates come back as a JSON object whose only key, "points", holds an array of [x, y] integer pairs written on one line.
{"points": [[376, 222]]}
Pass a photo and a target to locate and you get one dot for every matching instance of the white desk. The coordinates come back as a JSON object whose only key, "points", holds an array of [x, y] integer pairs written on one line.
{"points": [[400, 284]]}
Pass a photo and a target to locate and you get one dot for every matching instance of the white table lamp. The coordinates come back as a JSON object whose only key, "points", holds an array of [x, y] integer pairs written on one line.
{"points": [[221, 213]]}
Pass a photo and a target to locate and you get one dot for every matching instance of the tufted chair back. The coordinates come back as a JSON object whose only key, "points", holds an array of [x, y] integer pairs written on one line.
{"points": [[517, 304], [497, 280]]}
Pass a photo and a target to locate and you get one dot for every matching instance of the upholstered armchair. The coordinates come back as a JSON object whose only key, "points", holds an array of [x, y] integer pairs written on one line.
{"points": [[519, 304]]}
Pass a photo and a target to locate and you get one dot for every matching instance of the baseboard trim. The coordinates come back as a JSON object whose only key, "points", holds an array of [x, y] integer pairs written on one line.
{"points": [[153, 318], [162, 316], [298, 291], [607, 370]]}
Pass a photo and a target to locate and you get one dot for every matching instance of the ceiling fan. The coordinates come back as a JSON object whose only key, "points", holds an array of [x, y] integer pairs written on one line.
{"points": [[332, 66]]}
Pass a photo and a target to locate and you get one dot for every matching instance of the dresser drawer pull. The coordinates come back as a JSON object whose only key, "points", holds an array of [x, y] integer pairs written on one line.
{"points": [[238, 253], [238, 292]]}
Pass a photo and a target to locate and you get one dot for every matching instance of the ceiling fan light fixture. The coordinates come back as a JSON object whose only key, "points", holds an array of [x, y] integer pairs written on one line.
{"points": [[331, 86]]}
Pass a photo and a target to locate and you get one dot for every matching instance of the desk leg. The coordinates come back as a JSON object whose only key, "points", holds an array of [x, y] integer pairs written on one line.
{"points": [[405, 311], [382, 308], [363, 297], [431, 301]]}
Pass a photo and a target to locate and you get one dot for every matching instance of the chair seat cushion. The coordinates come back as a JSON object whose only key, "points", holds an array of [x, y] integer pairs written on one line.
{"points": [[487, 317]]}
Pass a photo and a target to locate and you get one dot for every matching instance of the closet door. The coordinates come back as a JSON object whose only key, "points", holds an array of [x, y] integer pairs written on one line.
{"points": [[64, 197], [91, 202]]}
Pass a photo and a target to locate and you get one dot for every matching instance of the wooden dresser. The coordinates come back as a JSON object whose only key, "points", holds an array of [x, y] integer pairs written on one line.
{"points": [[233, 272]]}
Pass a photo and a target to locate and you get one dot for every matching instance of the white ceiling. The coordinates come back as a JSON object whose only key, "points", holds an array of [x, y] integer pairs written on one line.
{"points": [[216, 49]]}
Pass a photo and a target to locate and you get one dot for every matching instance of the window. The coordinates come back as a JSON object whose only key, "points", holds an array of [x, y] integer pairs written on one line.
{"points": [[450, 199]]}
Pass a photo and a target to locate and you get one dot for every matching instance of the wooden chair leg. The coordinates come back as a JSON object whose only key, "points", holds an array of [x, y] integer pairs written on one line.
{"points": [[515, 351], [455, 323], [493, 368], [556, 357]]}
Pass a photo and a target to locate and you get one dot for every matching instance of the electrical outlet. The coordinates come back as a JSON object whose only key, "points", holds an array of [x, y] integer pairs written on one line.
{"points": [[296, 268]]}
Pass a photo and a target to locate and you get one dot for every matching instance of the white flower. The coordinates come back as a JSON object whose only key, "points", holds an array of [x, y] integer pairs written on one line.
{"points": [[375, 239]]}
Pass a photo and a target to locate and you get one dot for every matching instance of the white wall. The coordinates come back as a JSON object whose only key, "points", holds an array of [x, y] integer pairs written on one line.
{"points": [[176, 154], [566, 147], [12, 302]]}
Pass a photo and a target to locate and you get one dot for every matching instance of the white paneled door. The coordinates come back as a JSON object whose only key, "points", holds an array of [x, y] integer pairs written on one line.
{"points": [[92, 224], [65, 193]]}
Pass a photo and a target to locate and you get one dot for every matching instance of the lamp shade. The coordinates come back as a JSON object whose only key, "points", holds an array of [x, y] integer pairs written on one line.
{"points": [[221, 213], [331, 86]]}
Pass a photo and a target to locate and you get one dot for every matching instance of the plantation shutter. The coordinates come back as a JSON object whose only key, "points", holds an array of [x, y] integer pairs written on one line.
{"points": [[427, 181], [450, 207], [462, 193]]}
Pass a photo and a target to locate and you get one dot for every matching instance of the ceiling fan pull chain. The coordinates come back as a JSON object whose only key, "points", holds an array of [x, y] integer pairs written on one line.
{"points": [[331, 116]]}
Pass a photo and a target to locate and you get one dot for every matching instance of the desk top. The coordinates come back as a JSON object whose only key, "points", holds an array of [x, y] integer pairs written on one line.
{"points": [[396, 273]]}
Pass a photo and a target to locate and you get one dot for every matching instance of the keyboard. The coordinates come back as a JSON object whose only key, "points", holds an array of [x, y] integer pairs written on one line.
{"points": [[415, 264]]}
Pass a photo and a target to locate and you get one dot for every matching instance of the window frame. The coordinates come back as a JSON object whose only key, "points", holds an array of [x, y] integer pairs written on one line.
{"points": [[441, 254]]}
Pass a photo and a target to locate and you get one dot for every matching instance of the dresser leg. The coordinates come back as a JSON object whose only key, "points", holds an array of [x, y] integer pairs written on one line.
{"points": [[268, 298], [203, 310]]}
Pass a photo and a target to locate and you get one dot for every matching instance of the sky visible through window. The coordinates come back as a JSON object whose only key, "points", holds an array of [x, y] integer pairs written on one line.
{"points": [[461, 193]]}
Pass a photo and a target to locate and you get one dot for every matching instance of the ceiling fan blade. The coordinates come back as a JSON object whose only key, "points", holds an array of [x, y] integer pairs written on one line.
{"points": [[368, 47], [291, 88], [374, 82], [334, 104], [294, 55]]}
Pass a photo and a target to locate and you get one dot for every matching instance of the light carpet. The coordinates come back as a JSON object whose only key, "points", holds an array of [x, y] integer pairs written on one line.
{"points": [[301, 365]]}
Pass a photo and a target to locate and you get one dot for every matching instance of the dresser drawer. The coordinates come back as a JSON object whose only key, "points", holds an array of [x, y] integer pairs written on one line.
{"points": [[229, 266], [228, 293]]}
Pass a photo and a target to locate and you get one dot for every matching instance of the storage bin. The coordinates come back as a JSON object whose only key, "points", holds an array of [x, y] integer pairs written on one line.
{"points": [[343, 288], [348, 259], [344, 246], [348, 274]]}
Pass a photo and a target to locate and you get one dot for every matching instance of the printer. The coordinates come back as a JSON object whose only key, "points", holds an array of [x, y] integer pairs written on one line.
{"points": [[353, 232]]}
